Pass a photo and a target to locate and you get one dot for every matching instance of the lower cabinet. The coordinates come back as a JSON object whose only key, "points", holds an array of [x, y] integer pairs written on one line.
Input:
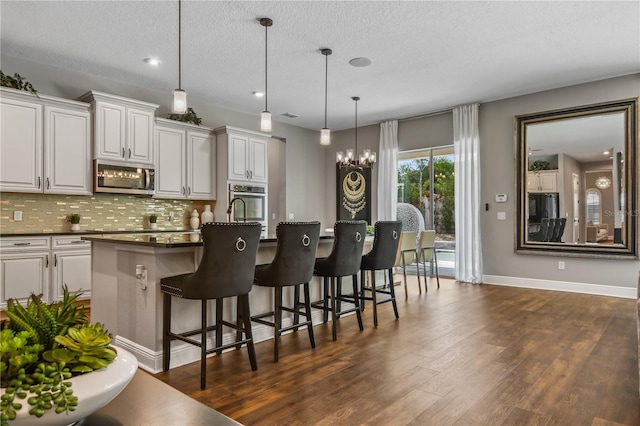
{"points": [[42, 265]]}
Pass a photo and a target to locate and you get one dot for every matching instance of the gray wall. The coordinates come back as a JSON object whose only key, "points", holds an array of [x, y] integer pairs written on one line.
{"points": [[497, 165], [305, 166]]}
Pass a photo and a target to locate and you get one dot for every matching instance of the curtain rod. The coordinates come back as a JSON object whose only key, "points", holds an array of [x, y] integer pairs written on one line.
{"points": [[430, 114]]}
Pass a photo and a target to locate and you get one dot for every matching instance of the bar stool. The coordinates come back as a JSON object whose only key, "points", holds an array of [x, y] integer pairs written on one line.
{"points": [[292, 265], [381, 257], [226, 270], [344, 260], [427, 253]]}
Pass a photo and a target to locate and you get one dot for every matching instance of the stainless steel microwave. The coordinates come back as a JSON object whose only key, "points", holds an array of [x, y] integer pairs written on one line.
{"points": [[123, 179]]}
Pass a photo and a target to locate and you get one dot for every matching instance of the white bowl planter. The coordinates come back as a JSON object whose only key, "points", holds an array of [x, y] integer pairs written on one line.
{"points": [[94, 390]]}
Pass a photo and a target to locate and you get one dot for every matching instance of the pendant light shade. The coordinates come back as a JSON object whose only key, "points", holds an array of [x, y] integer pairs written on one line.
{"points": [[179, 102], [265, 117], [179, 95], [325, 133]]}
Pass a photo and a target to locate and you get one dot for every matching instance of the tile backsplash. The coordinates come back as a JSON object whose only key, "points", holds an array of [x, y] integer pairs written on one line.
{"points": [[99, 212]]}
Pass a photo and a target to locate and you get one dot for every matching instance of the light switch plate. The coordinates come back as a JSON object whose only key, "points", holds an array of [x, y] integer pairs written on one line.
{"points": [[290, 216], [501, 198], [502, 215]]}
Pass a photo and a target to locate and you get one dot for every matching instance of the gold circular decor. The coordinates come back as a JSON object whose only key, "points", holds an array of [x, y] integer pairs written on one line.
{"points": [[353, 188]]}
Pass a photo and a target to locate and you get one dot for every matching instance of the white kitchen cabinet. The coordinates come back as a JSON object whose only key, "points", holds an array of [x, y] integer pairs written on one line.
{"points": [[542, 181], [245, 153], [24, 268], [185, 161], [42, 265], [71, 258], [122, 128], [45, 144]]}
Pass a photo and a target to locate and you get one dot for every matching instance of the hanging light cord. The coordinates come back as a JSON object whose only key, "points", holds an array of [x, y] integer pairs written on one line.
{"points": [[356, 152], [180, 44], [266, 91], [326, 80]]}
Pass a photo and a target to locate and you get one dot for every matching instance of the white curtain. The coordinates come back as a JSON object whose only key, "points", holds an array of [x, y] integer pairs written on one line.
{"points": [[388, 170], [466, 145]]}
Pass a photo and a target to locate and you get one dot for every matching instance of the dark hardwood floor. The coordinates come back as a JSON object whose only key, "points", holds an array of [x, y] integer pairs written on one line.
{"points": [[459, 355]]}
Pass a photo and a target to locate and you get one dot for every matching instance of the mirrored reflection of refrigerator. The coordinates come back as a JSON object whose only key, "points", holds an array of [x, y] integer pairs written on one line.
{"points": [[543, 205]]}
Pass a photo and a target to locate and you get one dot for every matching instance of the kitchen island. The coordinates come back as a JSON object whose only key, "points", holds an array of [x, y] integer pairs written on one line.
{"points": [[126, 297]]}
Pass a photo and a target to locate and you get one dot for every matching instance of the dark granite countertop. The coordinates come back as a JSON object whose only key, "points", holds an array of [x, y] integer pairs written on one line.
{"points": [[167, 240], [91, 232]]}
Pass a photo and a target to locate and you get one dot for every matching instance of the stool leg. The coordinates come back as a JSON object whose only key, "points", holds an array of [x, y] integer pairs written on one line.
{"points": [[166, 330], [334, 317], [239, 320], [325, 296], [277, 322], [373, 297], [218, 325], [243, 304], [203, 346], [338, 294], [296, 302], [361, 294], [354, 279], [404, 274], [307, 308], [435, 260], [393, 294]]}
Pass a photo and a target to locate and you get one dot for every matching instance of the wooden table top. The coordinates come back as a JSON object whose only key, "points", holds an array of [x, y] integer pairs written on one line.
{"points": [[149, 401]]}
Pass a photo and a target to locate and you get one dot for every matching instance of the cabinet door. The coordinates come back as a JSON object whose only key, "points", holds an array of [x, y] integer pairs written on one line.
{"points": [[549, 182], [140, 136], [110, 131], [22, 274], [67, 152], [238, 157], [73, 269], [21, 146], [170, 163], [201, 160], [533, 182], [258, 160]]}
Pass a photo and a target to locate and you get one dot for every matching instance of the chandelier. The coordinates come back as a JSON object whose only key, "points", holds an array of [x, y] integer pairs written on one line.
{"points": [[365, 160], [603, 182]]}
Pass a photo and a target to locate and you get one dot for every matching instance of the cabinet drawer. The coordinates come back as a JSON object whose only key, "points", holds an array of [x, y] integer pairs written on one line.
{"points": [[69, 242], [11, 244]]}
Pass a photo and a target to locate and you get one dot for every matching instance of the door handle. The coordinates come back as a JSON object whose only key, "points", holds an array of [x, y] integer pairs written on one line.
{"points": [[55, 260], [129, 152], [188, 190], [46, 261], [39, 182], [183, 191], [122, 152], [48, 184]]}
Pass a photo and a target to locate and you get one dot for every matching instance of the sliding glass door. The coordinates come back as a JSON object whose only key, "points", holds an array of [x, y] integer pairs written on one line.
{"points": [[426, 181]]}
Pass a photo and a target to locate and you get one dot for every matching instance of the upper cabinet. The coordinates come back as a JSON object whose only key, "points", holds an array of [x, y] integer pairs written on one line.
{"points": [[542, 181], [45, 144], [185, 161], [122, 128], [244, 154]]}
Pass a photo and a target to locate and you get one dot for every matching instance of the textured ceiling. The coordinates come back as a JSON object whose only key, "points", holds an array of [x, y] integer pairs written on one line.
{"points": [[427, 56]]}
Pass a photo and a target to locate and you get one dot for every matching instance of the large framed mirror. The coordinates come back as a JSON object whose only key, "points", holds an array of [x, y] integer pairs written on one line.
{"points": [[577, 181]]}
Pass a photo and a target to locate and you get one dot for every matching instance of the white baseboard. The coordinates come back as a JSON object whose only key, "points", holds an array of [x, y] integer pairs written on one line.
{"points": [[184, 353], [572, 287]]}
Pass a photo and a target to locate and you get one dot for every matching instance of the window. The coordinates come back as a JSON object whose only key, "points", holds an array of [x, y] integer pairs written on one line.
{"points": [[593, 206]]}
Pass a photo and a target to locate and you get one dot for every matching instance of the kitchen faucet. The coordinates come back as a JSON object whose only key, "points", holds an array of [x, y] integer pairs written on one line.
{"points": [[231, 205]]}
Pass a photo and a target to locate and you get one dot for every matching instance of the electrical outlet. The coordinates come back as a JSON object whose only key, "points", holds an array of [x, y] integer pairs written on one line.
{"points": [[273, 216], [502, 215], [290, 216], [561, 265], [170, 216], [17, 215]]}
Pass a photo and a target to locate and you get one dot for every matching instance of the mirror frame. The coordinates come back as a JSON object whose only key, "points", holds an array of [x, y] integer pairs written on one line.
{"points": [[630, 250]]}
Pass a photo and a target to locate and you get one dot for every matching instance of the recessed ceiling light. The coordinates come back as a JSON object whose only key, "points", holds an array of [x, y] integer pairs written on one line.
{"points": [[258, 94], [290, 115], [360, 62], [153, 61]]}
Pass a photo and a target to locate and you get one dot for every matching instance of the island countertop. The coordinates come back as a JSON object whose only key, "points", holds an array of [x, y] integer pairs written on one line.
{"points": [[167, 239]]}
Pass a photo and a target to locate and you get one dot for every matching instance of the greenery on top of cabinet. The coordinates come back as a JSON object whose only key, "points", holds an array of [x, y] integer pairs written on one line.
{"points": [[17, 82], [189, 117]]}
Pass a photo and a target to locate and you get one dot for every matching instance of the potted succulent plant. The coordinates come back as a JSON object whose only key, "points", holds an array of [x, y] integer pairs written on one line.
{"points": [[74, 220], [153, 219], [43, 348]]}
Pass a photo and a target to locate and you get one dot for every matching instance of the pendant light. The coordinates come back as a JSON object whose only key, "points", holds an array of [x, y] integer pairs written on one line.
{"points": [[325, 133], [365, 160], [265, 117], [179, 95]]}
